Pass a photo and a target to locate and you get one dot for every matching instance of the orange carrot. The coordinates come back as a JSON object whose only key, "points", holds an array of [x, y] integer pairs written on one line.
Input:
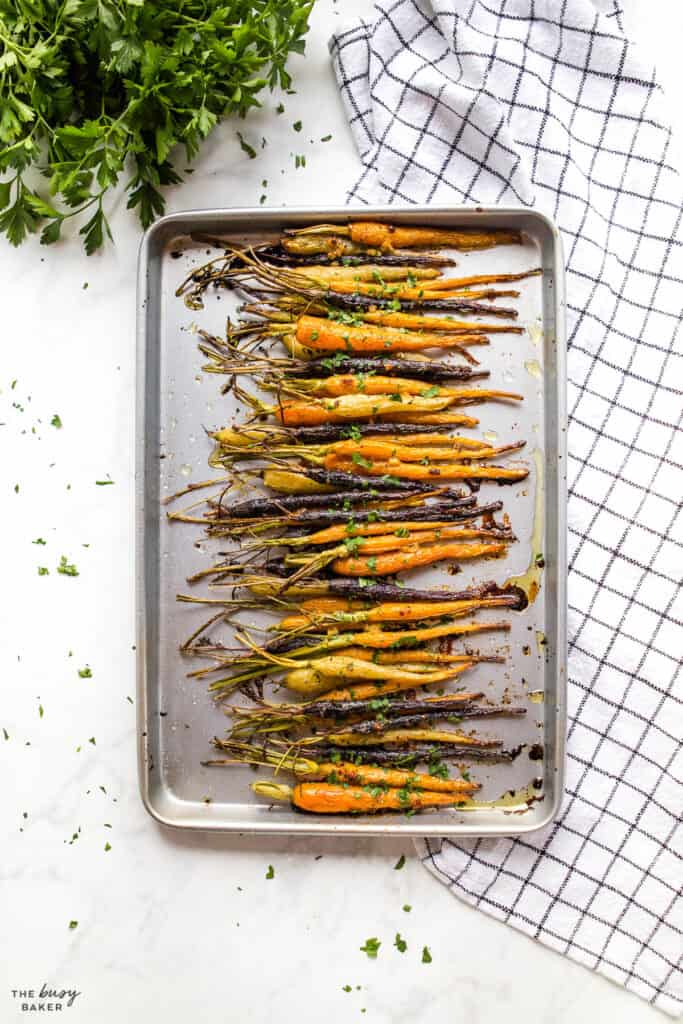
{"points": [[328, 335], [443, 419], [396, 778], [314, 412], [386, 565], [367, 691], [387, 236], [457, 283], [381, 639], [410, 611], [327, 798], [410, 471], [421, 321], [410, 293], [369, 448]]}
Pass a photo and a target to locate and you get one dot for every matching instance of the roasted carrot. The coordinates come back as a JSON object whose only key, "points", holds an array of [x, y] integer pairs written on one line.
{"points": [[328, 798], [383, 639], [442, 419], [415, 293], [399, 737], [353, 612], [342, 771], [368, 691], [321, 674], [353, 384], [350, 407], [411, 471], [474, 280], [387, 565], [329, 335], [385, 450], [367, 272], [386, 236], [421, 322]]}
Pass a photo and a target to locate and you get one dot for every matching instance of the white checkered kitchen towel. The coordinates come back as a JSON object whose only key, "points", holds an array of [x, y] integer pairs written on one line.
{"points": [[545, 102]]}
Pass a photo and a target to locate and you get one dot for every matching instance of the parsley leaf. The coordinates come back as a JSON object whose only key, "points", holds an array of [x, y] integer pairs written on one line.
{"points": [[65, 568], [90, 89], [371, 947]]}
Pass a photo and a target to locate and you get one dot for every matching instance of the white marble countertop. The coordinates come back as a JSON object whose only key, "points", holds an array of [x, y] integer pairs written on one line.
{"points": [[188, 925]]}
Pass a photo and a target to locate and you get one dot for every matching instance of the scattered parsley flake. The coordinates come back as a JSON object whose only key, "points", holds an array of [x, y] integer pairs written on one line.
{"points": [[85, 673], [92, 740], [66, 568], [103, 483], [326, 138], [407, 907], [43, 570], [371, 948], [400, 862], [245, 147], [346, 988], [5, 734], [72, 925], [401, 944], [270, 873], [39, 540], [426, 955], [297, 126], [107, 847], [56, 421]]}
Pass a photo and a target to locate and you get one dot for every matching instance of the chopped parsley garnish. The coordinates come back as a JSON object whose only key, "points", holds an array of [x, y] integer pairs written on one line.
{"points": [[72, 925], [371, 948], [297, 126], [407, 907], [39, 540], [399, 863], [431, 392], [270, 873], [426, 955], [245, 147], [358, 460], [85, 673], [401, 944], [372, 563], [56, 421], [43, 570], [66, 568]]}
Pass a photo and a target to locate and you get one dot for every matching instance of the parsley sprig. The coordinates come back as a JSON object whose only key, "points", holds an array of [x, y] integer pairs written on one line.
{"points": [[95, 90]]}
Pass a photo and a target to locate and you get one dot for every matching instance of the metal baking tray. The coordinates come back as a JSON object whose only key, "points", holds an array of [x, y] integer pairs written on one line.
{"points": [[176, 401]]}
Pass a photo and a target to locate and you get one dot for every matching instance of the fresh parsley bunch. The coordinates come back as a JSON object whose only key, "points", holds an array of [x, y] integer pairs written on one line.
{"points": [[94, 89]]}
